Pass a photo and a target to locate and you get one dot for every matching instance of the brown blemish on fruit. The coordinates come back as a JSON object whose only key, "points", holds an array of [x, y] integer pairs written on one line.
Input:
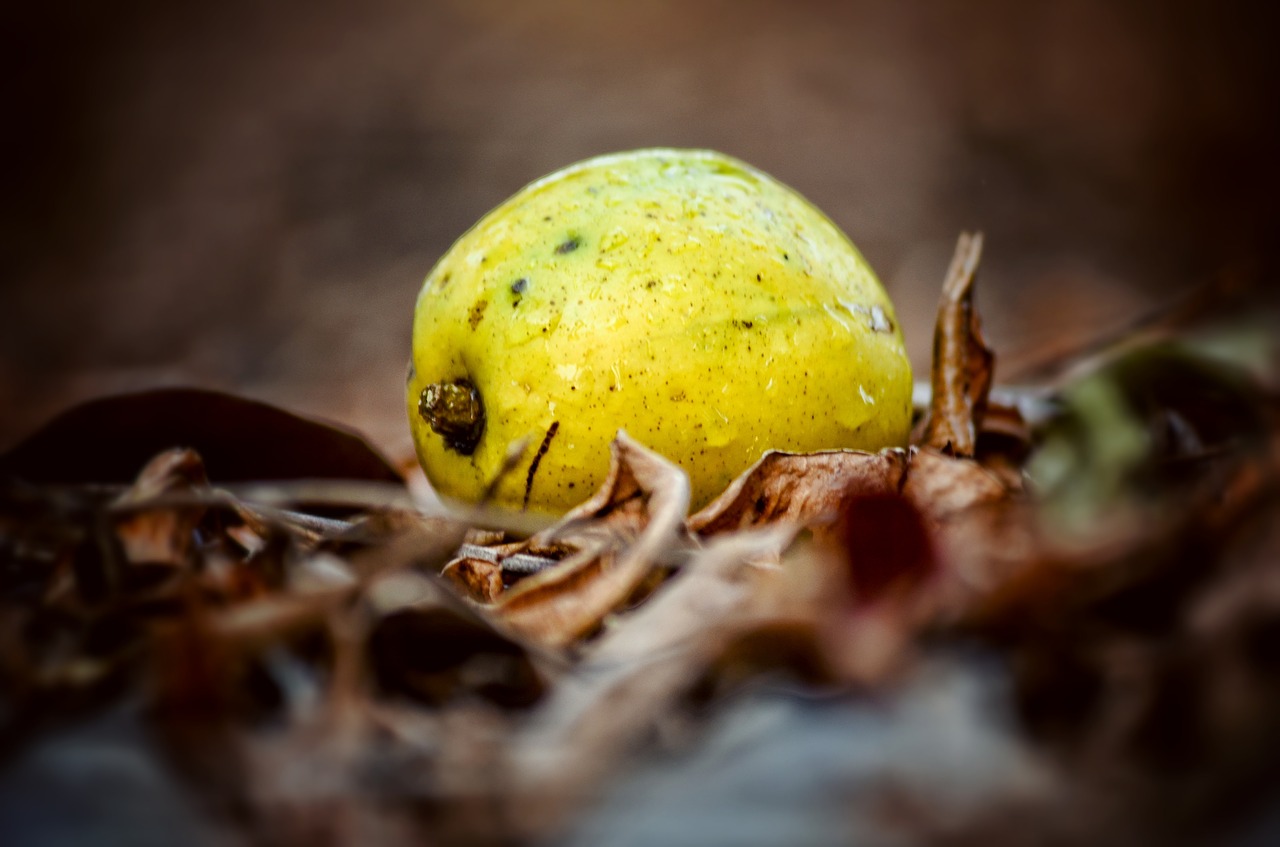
{"points": [[537, 459], [477, 313], [570, 244], [455, 412]]}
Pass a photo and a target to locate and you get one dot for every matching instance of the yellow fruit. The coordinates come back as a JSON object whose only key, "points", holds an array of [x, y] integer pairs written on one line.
{"points": [[681, 295]]}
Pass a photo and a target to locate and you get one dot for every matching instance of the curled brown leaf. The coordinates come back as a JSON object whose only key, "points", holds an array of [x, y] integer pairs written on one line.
{"points": [[963, 365], [633, 675], [797, 488], [943, 486], [631, 524], [157, 533], [478, 579]]}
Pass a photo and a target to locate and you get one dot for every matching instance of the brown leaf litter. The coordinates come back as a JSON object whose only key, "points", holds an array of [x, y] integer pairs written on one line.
{"points": [[318, 658]]}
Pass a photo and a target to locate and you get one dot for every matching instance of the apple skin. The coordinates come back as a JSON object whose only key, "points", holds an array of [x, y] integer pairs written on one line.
{"points": [[681, 295]]}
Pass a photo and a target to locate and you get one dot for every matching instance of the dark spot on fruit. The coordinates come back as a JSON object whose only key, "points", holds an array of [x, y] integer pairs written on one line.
{"points": [[455, 412], [651, 284], [519, 285], [444, 279], [743, 325], [757, 277], [477, 313], [569, 245]]}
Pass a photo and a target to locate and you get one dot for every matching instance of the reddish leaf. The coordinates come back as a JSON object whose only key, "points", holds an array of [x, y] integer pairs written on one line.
{"points": [[885, 544], [108, 440]]}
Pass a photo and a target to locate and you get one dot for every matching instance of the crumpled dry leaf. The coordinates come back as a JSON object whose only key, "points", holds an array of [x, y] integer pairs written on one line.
{"points": [[963, 365], [810, 489], [919, 532], [629, 679], [803, 489], [477, 579], [942, 486], [978, 526], [162, 534], [622, 534], [968, 523]]}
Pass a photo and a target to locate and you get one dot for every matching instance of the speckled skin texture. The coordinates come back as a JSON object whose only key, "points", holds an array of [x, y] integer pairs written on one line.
{"points": [[681, 295]]}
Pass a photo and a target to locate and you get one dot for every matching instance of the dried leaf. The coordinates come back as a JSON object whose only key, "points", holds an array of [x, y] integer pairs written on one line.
{"points": [[389, 697], [942, 486], [809, 489], [962, 363], [159, 533], [801, 489], [423, 543], [891, 575], [518, 559], [630, 678], [478, 579], [711, 586], [641, 506], [107, 440], [434, 653], [886, 546]]}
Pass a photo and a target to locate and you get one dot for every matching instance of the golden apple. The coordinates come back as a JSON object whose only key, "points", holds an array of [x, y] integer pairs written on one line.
{"points": [[707, 309]]}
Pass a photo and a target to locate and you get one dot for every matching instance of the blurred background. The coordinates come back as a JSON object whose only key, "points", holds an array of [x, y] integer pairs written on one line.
{"points": [[247, 195]]}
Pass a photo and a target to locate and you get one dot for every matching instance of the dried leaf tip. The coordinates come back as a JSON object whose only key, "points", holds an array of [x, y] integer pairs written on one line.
{"points": [[963, 365]]}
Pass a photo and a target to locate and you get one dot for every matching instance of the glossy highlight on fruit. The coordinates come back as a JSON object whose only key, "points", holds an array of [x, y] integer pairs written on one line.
{"points": [[681, 295]]}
